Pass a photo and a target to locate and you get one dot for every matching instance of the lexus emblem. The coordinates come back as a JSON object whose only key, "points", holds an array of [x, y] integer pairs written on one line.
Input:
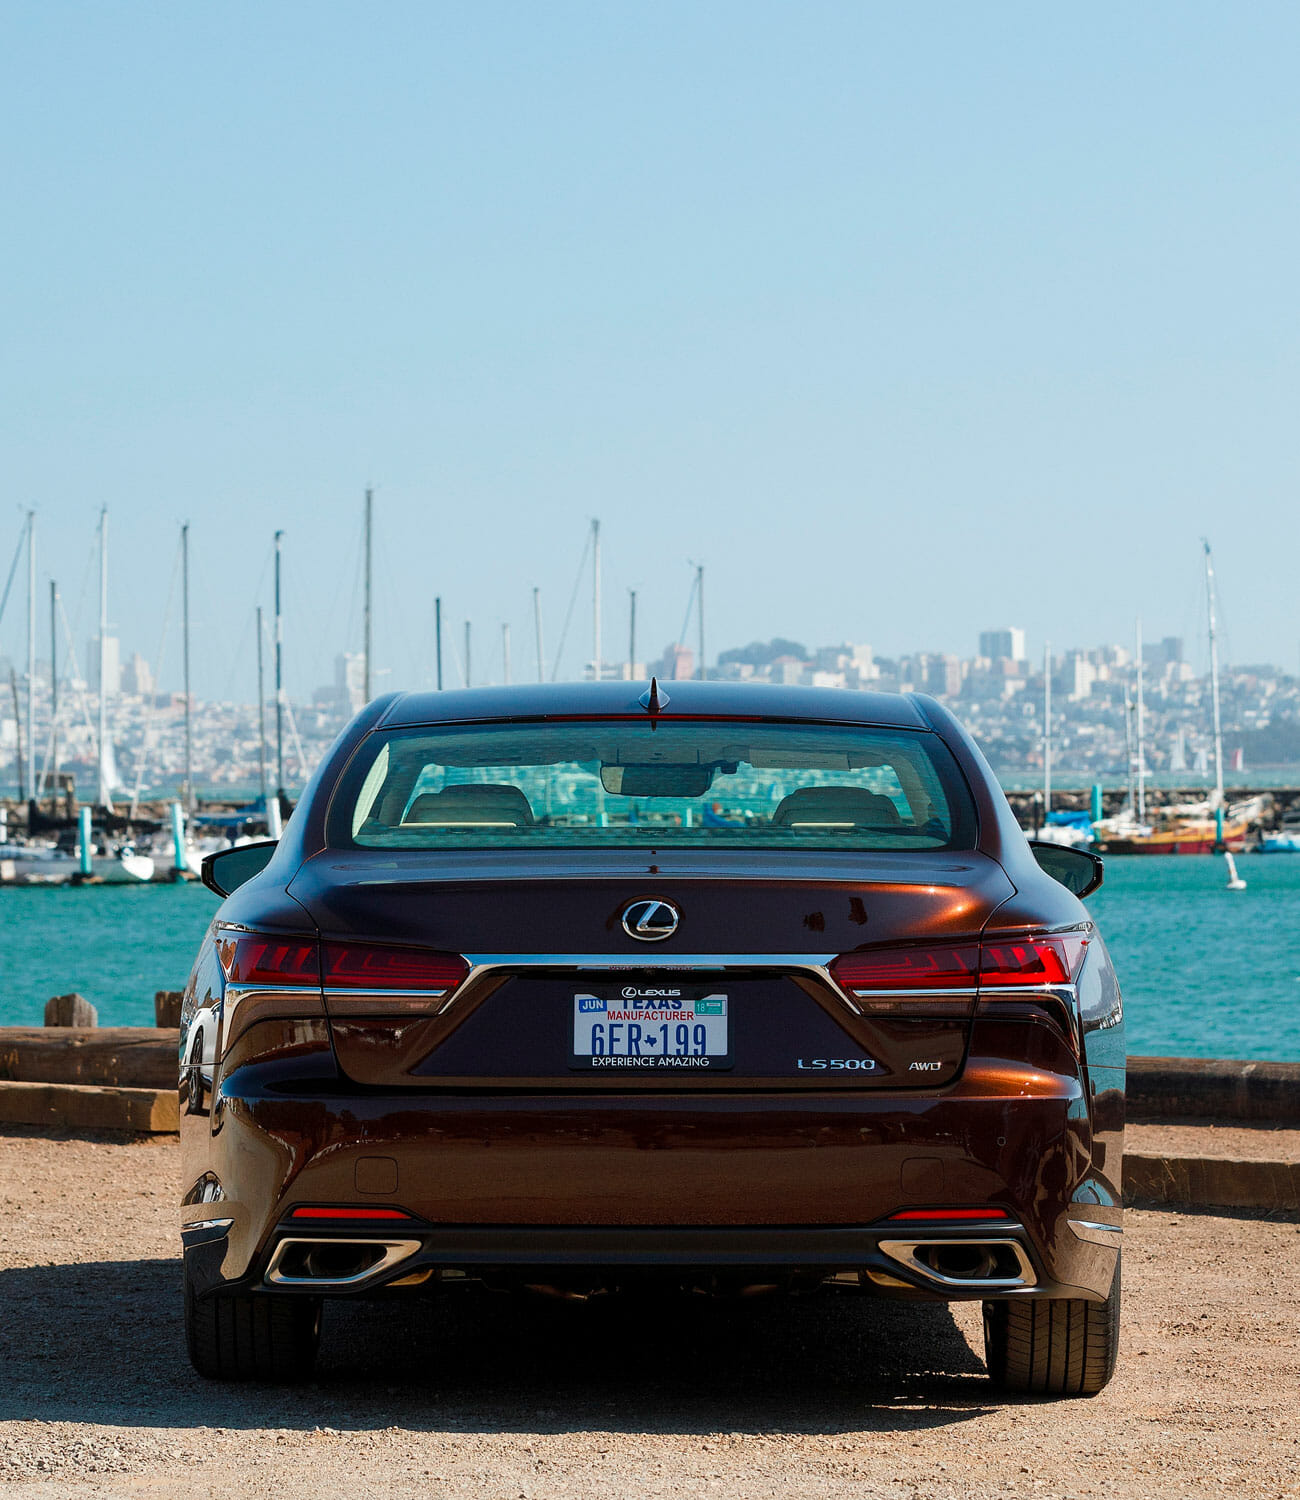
{"points": [[650, 921]]}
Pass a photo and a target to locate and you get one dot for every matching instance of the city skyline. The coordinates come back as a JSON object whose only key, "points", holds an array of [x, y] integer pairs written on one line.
{"points": [[405, 654], [1095, 692]]}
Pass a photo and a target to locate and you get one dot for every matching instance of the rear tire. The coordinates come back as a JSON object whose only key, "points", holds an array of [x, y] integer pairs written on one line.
{"points": [[1053, 1346], [232, 1336]]}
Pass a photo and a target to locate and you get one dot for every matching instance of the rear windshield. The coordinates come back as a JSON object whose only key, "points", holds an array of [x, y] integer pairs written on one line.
{"points": [[618, 783]]}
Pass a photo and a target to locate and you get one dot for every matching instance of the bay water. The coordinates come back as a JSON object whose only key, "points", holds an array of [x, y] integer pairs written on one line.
{"points": [[1206, 972]]}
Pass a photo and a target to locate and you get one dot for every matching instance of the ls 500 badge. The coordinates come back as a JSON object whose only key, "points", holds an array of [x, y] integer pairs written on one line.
{"points": [[839, 1064]]}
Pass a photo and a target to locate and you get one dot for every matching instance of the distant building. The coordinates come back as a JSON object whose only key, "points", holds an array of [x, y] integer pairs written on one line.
{"points": [[1080, 674], [677, 664], [347, 693], [137, 676], [1009, 643], [112, 664]]}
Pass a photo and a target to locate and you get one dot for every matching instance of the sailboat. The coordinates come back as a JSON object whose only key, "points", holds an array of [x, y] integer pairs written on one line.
{"points": [[124, 864], [1205, 827]]}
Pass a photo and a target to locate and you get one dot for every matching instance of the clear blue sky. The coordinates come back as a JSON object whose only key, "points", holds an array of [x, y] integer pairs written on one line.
{"points": [[905, 321]]}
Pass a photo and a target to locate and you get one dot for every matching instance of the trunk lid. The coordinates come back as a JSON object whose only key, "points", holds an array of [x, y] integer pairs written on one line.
{"points": [[558, 983]]}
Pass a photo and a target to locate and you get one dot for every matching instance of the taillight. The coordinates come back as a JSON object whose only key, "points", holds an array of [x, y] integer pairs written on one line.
{"points": [[363, 966], [909, 968], [1040, 960], [255, 958], [914, 979]]}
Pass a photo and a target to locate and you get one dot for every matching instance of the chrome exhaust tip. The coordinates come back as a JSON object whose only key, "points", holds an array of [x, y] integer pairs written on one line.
{"points": [[332, 1263], [997, 1265]]}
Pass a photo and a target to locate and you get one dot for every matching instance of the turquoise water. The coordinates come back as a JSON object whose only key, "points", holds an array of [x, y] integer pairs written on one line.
{"points": [[1206, 972]]}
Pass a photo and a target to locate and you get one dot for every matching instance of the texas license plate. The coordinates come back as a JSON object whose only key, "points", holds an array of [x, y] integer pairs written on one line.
{"points": [[631, 1028]]}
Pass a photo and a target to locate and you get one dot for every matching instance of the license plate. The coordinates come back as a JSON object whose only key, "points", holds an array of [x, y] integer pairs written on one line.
{"points": [[633, 1029]]}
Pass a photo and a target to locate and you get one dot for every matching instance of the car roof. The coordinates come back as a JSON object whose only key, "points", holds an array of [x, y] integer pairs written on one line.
{"points": [[680, 699]]}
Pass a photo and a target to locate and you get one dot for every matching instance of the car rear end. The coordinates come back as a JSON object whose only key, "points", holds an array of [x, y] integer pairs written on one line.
{"points": [[728, 1002]]}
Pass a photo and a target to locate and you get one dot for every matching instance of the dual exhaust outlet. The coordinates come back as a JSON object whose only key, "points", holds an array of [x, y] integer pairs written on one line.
{"points": [[970, 1264], [335, 1264], [985, 1265]]}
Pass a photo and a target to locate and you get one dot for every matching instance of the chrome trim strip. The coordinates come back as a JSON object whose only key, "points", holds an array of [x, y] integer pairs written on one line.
{"points": [[646, 961], [904, 1252], [965, 993], [395, 1252], [235, 988], [807, 963], [381, 994], [1096, 1234], [207, 1224], [1030, 989]]}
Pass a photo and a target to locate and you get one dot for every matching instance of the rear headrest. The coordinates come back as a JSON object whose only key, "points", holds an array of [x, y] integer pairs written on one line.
{"points": [[852, 805], [472, 803]]}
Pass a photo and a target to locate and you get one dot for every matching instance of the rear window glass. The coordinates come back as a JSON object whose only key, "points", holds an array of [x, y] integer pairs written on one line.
{"points": [[611, 783]]}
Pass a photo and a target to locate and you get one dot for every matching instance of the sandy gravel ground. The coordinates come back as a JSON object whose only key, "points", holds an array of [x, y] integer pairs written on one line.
{"points": [[478, 1396]]}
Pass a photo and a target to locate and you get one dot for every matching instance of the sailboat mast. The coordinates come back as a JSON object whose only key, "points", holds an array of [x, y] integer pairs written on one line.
{"points": [[595, 600], [467, 643], [505, 653], [369, 524], [1141, 731], [631, 635], [1128, 751], [185, 660], [1214, 676], [1047, 729], [261, 714], [279, 678], [537, 632], [31, 654], [103, 658], [54, 688], [699, 612], [437, 637]]}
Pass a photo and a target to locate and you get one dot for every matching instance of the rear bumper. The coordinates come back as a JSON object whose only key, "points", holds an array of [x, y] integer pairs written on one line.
{"points": [[791, 1182], [889, 1260]]}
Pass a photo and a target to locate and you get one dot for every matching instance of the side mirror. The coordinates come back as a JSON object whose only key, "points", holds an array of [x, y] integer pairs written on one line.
{"points": [[1079, 872], [228, 869]]}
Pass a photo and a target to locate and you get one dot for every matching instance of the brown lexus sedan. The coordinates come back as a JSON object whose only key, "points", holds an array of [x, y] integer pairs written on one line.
{"points": [[720, 986]]}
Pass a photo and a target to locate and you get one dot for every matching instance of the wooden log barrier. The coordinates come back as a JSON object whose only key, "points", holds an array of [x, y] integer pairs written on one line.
{"points": [[70, 1010], [110, 1056], [167, 1007]]}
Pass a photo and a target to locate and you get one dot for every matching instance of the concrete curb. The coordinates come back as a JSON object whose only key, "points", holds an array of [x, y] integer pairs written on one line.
{"points": [[1162, 1088], [80, 1106], [1212, 1182]]}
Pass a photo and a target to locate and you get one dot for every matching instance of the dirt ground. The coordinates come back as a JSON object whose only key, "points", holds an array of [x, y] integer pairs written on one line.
{"points": [[479, 1396]]}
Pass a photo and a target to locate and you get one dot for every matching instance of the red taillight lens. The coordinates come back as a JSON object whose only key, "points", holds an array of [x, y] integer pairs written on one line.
{"points": [[935, 1215], [349, 1213], [254, 958], [1038, 960], [909, 968], [361, 966], [1033, 960]]}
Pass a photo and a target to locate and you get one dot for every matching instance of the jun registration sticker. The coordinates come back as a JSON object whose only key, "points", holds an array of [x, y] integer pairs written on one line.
{"points": [[650, 1028]]}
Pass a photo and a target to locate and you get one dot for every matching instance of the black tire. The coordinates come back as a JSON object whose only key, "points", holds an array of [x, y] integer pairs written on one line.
{"points": [[194, 1080], [238, 1337], [1053, 1346]]}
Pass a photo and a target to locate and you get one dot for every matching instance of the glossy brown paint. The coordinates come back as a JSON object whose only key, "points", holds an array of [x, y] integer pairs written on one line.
{"points": [[1025, 1111], [1013, 1133]]}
